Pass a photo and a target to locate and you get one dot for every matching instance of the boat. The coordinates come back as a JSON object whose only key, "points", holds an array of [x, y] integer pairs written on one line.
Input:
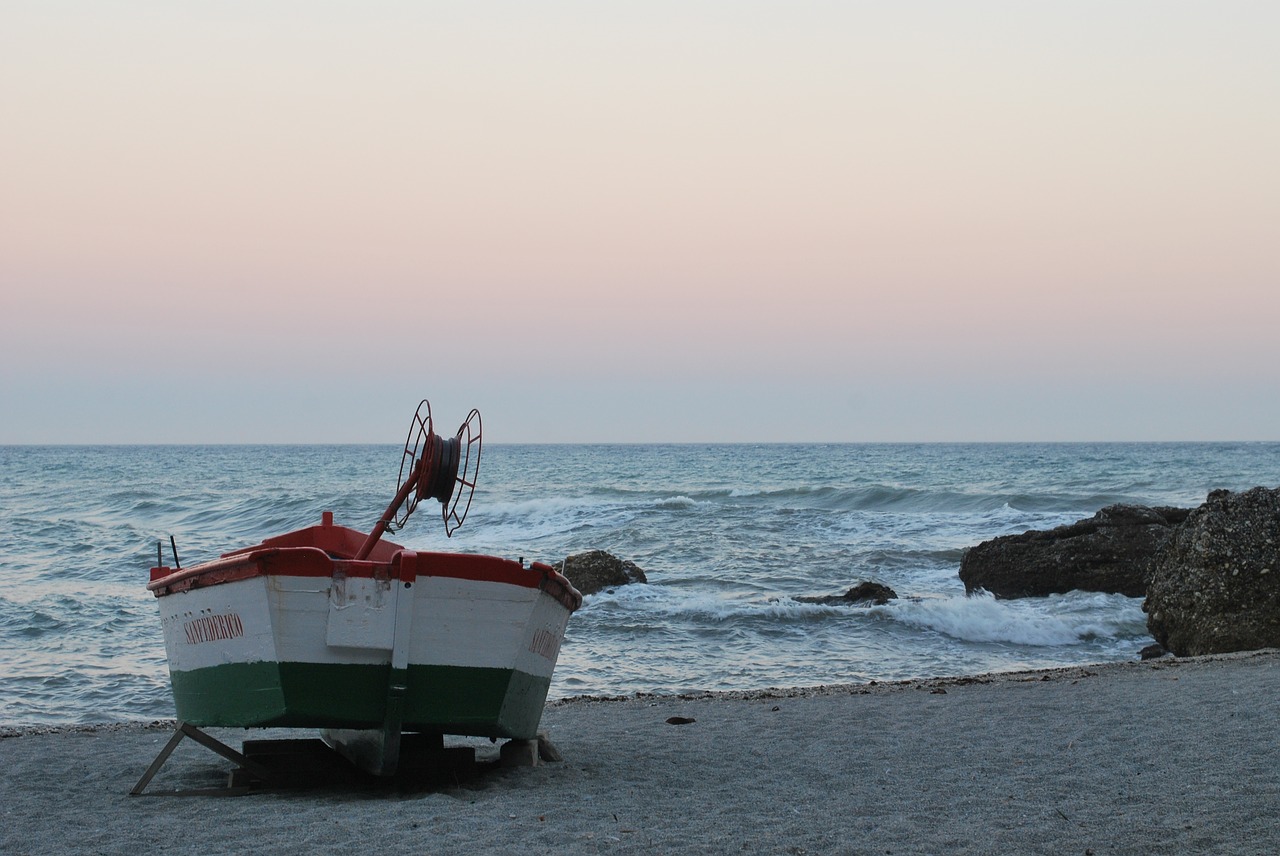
{"points": [[331, 628]]}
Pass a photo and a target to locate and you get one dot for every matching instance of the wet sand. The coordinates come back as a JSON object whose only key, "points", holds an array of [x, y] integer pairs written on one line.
{"points": [[1168, 756]]}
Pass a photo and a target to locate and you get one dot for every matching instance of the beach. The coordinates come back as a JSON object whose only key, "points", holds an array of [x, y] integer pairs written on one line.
{"points": [[1163, 756]]}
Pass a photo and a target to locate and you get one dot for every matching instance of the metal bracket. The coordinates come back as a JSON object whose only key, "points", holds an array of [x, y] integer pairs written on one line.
{"points": [[377, 750], [182, 730]]}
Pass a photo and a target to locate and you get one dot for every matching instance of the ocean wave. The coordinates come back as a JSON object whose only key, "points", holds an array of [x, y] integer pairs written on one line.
{"points": [[528, 520], [679, 502], [30, 624], [1058, 620], [568, 518], [908, 499], [658, 603]]}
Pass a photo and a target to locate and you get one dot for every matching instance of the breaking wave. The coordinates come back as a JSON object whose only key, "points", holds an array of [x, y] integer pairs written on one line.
{"points": [[1057, 620]]}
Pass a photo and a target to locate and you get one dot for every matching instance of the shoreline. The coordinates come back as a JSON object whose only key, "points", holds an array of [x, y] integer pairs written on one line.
{"points": [[1087, 670], [1161, 756]]}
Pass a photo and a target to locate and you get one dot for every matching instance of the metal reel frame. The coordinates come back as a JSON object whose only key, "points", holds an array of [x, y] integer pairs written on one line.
{"points": [[421, 437], [469, 440]]}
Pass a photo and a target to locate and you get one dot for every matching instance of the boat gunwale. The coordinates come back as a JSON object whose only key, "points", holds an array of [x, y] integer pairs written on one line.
{"points": [[313, 562]]}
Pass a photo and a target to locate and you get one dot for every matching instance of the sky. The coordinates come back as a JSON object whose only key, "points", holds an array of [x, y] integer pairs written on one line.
{"points": [[695, 221]]}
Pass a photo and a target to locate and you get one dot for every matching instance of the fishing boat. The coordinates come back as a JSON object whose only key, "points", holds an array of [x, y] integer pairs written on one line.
{"points": [[336, 629]]}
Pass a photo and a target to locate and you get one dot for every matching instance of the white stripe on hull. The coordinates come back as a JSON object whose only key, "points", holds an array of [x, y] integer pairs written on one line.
{"points": [[456, 622]]}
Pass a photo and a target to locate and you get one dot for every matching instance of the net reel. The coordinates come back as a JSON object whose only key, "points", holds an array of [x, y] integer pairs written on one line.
{"points": [[433, 467], [461, 460]]}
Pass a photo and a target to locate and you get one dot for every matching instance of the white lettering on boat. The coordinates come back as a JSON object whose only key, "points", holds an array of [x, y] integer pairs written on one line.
{"points": [[213, 628], [545, 644]]}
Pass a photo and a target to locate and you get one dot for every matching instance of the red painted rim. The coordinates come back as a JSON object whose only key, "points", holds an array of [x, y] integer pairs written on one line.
{"points": [[313, 562]]}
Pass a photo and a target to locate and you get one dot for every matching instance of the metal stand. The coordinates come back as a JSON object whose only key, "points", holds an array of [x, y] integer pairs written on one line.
{"points": [[423, 761], [185, 730]]}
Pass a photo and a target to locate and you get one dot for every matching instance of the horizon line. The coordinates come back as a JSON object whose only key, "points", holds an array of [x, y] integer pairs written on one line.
{"points": [[288, 443]]}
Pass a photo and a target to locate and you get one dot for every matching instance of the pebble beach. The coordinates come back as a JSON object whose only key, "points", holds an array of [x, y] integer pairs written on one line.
{"points": [[1164, 756]]}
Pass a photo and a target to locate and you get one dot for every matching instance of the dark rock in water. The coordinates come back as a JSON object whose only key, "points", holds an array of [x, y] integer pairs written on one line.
{"points": [[596, 569], [1109, 552], [1216, 586], [863, 594]]}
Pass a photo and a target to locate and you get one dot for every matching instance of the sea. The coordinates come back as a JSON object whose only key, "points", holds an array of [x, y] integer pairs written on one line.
{"points": [[730, 536]]}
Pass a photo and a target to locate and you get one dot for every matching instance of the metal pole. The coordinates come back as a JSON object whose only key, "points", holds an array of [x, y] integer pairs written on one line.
{"points": [[390, 514]]}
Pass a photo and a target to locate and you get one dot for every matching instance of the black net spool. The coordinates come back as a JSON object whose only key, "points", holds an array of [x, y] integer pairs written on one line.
{"points": [[440, 472]]}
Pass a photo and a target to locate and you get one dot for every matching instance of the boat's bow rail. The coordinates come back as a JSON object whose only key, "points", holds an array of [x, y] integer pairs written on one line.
{"points": [[558, 586]]}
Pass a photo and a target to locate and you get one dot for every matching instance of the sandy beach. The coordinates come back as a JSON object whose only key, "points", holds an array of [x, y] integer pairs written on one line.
{"points": [[1168, 756]]}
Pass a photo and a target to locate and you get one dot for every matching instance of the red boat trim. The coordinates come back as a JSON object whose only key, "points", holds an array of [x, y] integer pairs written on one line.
{"points": [[340, 542], [558, 586], [313, 562], [230, 569]]}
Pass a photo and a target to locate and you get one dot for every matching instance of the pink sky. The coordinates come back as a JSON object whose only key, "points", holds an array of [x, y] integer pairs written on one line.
{"points": [[690, 221]]}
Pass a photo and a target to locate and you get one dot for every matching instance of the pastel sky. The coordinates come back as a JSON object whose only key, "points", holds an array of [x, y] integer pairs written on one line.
{"points": [[640, 222]]}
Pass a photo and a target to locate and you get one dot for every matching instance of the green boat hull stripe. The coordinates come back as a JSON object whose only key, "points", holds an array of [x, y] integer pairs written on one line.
{"points": [[468, 700]]}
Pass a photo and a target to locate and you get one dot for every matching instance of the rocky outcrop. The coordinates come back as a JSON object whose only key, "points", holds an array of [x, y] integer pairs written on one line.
{"points": [[1215, 587], [863, 594], [1112, 551], [595, 570]]}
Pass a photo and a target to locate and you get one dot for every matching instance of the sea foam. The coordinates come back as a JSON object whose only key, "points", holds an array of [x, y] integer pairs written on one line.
{"points": [[1058, 620]]}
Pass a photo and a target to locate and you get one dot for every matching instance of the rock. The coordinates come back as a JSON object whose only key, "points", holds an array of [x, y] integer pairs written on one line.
{"points": [[1109, 552], [518, 753], [596, 569], [547, 750], [864, 593], [1215, 587], [1153, 652]]}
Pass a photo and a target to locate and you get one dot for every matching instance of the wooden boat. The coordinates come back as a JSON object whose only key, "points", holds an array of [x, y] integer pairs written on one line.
{"points": [[331, 628]]}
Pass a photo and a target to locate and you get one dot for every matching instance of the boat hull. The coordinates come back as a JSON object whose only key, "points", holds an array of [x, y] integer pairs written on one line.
{"points": [[481, 702], [292, 637]]}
